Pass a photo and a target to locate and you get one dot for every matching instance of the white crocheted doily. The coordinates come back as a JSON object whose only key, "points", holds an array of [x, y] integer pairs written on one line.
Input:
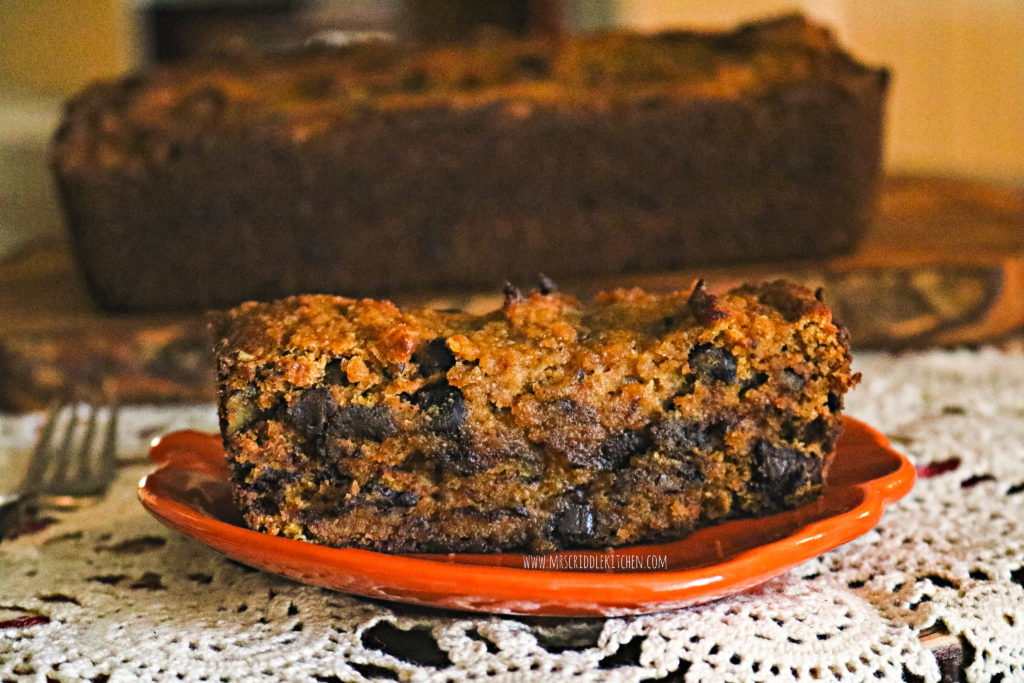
{"points": [[107, 593]]}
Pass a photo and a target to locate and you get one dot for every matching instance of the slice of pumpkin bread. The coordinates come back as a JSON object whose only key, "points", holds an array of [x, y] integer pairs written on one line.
{"points": [[543, 425]]}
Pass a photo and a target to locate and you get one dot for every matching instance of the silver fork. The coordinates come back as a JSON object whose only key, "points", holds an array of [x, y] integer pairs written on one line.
{"points": [[65, 471]]}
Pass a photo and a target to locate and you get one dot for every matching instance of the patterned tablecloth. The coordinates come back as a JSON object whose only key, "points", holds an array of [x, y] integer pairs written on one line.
{"points": [[107, 593]]}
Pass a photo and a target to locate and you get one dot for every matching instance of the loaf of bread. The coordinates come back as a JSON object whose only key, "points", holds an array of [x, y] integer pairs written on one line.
{"points": [[382, 168], [543, 425]]}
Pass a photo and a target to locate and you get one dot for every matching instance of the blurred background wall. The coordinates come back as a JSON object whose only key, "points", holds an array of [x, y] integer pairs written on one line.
{"points": [[956, 106], [57, 46]]}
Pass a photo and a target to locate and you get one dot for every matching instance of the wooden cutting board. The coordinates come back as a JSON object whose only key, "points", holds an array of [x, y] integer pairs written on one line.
{"points": [[943, 264]]}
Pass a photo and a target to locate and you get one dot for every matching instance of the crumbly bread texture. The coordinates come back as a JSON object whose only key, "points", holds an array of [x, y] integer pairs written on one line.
{"points": [[202, 185], [543, 425]]}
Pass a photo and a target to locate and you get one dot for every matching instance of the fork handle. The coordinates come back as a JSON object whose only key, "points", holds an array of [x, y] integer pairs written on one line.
{"points": [[12, 510]]}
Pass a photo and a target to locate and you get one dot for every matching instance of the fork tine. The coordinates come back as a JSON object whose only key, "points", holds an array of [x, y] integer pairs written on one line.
{"points": [[63, 453], [84, 473], [40, 461], [108, 456]]}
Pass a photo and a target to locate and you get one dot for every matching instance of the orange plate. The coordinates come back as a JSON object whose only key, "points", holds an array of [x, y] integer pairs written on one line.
{"points": [[189, 491]]}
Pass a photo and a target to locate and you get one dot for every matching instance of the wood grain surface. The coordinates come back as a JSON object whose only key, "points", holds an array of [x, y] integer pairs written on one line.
{"points": [[942, 265]]}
